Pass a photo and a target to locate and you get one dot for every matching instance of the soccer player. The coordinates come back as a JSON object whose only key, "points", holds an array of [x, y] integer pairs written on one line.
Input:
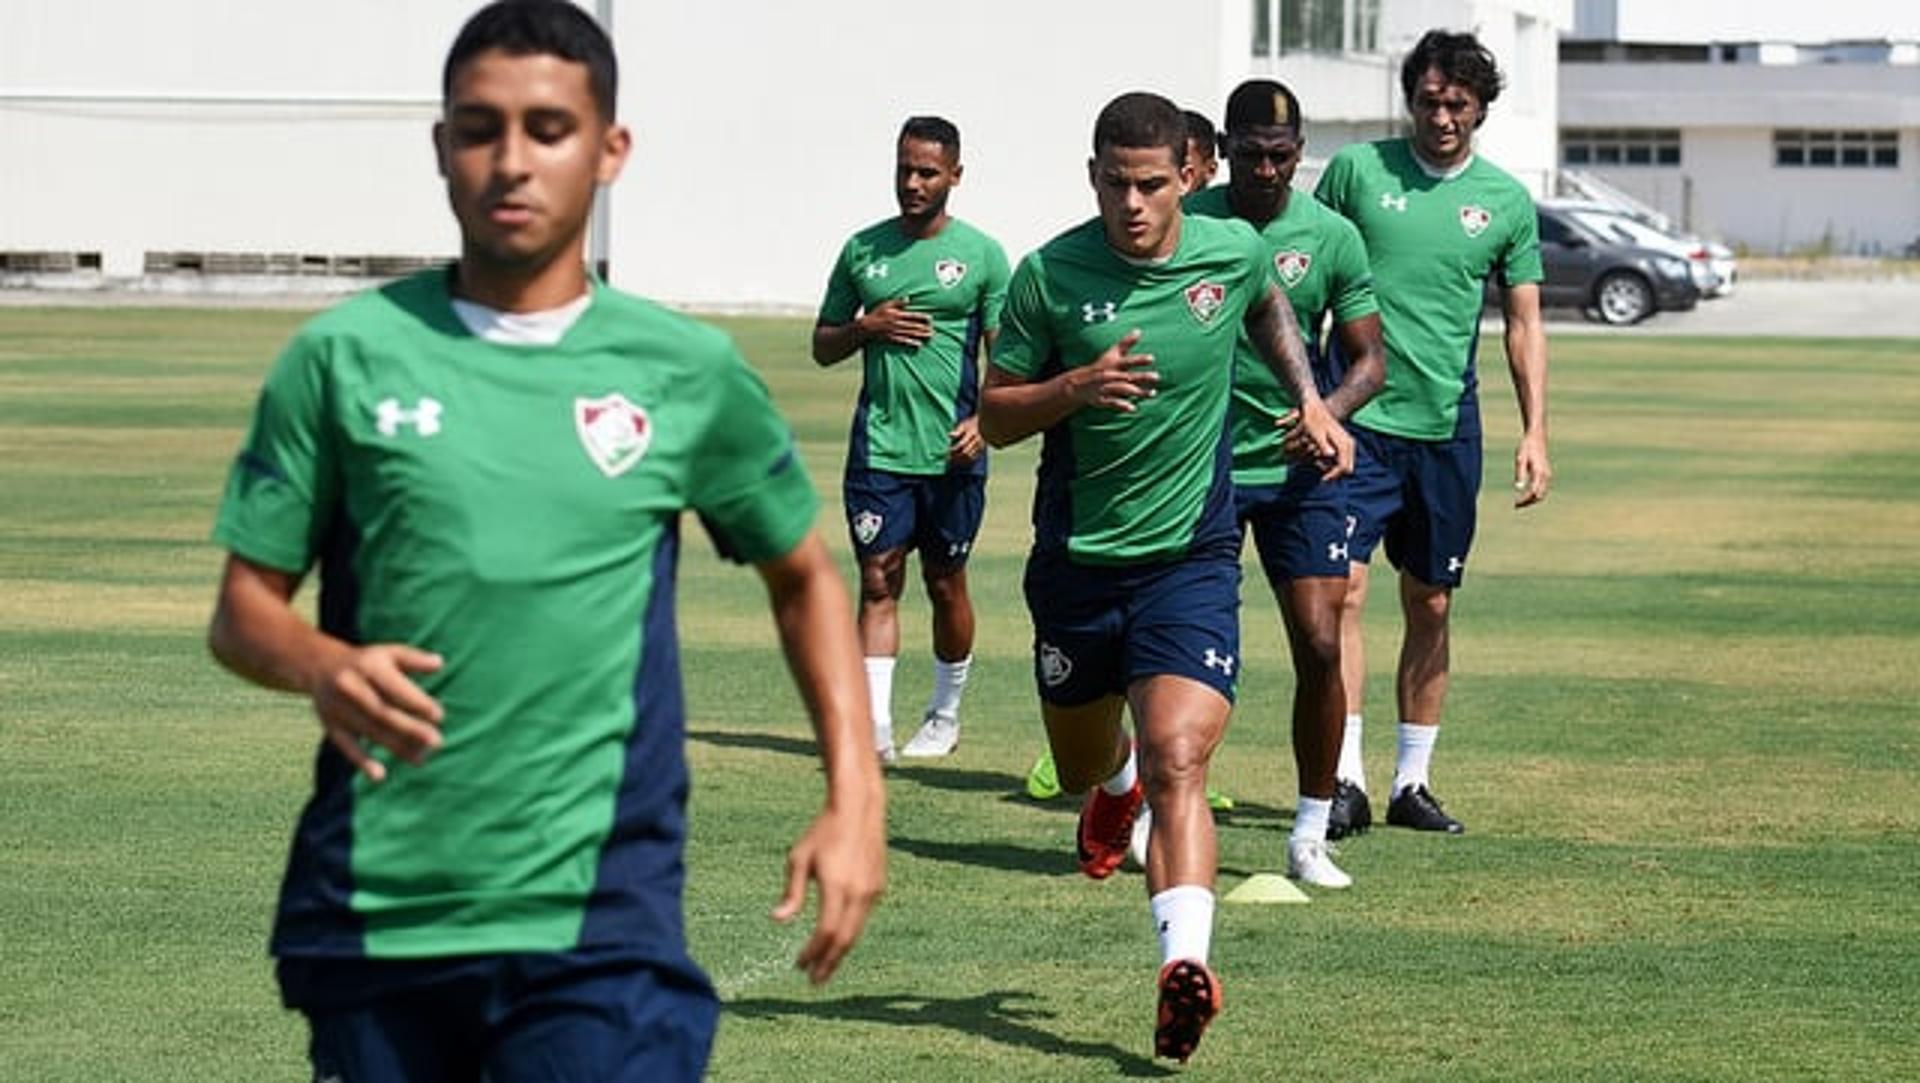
{"points": [[1118, 347], [1439, 221], [488, 463], [919, 295], [1298, 520], [1202, 141]]}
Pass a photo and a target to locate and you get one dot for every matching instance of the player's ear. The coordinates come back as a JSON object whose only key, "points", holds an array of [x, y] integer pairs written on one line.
{"points": [[440, 146], [616, 143], [1093, 177], [957, 170]]}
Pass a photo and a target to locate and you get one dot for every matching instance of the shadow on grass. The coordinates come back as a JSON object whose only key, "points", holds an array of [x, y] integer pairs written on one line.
{"points": [[765, 742], [959, 781], [991, 855], [996, 1016]]}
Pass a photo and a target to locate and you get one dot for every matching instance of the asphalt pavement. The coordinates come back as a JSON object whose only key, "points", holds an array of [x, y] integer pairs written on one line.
{"points": [[1808, 308]]}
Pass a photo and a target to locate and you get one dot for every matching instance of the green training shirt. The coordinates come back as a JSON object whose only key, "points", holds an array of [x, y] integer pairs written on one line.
{"points": [[1321, 263], [1434, 243], [1126, 488], [514, 509], [911, 397]]}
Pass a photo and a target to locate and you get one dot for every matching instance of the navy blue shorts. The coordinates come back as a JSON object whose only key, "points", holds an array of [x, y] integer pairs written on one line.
{"points": [[938, 514], [1098, 629], [537, 1018], [1299, 527], [1420, 496]]}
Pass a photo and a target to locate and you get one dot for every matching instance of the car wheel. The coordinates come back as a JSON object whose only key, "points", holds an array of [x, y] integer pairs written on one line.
{"points": [[1623, 297]]}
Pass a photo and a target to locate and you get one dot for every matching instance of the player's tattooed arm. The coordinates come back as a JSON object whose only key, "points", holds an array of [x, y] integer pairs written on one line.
{"points": [[1313, 433], [1366, 366]]}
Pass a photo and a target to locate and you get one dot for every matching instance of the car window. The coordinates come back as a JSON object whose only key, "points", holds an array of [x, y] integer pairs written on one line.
{"points": [[1553, 230], [1612, 227]]}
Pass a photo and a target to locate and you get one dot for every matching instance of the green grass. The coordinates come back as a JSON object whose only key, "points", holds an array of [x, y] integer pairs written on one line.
{"points": [[1682, 729]]}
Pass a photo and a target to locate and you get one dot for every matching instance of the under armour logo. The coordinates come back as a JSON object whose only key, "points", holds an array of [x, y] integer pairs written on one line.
{"points": [[1216, 660], [876, 270], [1100, 313], [1454, 564], [1391, 202], [1336, 551], [424, 417]]}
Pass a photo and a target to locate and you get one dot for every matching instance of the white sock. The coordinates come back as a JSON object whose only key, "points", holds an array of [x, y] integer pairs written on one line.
{"points": [[1310, 819], [1123, 779], [949, 680], [1352, 768], [880, 699], [1416, 751], [1183, 916]]}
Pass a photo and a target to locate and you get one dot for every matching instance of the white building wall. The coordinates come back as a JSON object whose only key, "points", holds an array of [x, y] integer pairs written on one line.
{"points": [[204, 125], [765, 129], [1692, 21]]}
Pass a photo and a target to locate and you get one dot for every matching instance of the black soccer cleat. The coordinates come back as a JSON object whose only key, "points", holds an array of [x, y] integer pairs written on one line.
{"points": [[1416, 807], [1351, 814]]}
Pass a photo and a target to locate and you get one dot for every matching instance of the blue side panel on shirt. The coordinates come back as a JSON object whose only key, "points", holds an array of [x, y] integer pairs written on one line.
{"points": [[316, 915], [637, 890]]}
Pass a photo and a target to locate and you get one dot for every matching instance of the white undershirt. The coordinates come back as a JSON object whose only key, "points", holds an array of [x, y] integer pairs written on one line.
{"points": [[543, 328], [1442, 174]]}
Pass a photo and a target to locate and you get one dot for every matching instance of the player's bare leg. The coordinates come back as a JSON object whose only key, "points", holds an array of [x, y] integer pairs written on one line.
{"points": [[1421, 690], [1181, 722], [1310, 608], [882, 579], [1352, 813], [939, 731]]}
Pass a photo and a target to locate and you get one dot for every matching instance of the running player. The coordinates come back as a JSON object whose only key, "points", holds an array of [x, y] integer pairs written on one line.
{"points": [[1298, 520], [1439, 222], [1202, 148], [919, 295], [487, 463], [1118, 348]]}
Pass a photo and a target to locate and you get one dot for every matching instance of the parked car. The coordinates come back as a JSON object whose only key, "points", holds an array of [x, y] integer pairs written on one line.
{"points": [[1713, 265], [1612, 281]]}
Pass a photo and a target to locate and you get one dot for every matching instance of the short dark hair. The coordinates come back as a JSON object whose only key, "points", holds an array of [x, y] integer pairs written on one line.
{"points": [[1139, 119], [1200, 129], [1262, 103], [933, 130], [1459, 57], [539, 28]]}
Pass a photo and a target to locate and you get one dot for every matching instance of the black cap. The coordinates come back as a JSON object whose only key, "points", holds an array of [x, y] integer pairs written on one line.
{"points": [[1263, 103]]}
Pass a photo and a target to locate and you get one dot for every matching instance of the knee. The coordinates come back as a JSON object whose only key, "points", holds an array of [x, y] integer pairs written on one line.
{"points": [[1316, 648], [945, 587], [1176, 762]]}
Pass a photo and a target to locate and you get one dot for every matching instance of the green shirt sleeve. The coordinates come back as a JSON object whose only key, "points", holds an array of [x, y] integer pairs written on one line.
{"points": [[282, 486], [994, 303], [1332, 189], [1521, 262], [747, 483], [1026, 338], [1352, 293], [842, 302]]}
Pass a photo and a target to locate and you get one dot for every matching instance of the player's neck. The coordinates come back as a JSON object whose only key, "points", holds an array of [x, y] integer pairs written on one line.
{"points": [[920, 228], [1442, 170], [517, 288], [1255, 209]]}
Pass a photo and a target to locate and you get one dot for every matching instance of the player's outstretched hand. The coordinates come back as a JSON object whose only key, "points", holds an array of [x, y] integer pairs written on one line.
{"points": [[891, 321], [964, 443], [844, 854], [370, 699], [1115, 379], [1532, 473], [1315, 436]]}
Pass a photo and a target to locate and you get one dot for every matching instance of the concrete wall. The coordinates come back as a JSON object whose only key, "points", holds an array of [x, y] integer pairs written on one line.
{"points": [[1727, 113], [201, 124], [765, 138], [1756, 20]]}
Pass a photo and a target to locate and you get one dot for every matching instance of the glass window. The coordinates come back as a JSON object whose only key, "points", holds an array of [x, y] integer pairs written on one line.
{"points": [[1620, 146], [1832, 149], [1262, 28]]}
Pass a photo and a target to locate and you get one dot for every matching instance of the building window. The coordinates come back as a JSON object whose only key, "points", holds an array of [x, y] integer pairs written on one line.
{"points": [[1620, 146], [1315, 26], [1830, 149]]}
